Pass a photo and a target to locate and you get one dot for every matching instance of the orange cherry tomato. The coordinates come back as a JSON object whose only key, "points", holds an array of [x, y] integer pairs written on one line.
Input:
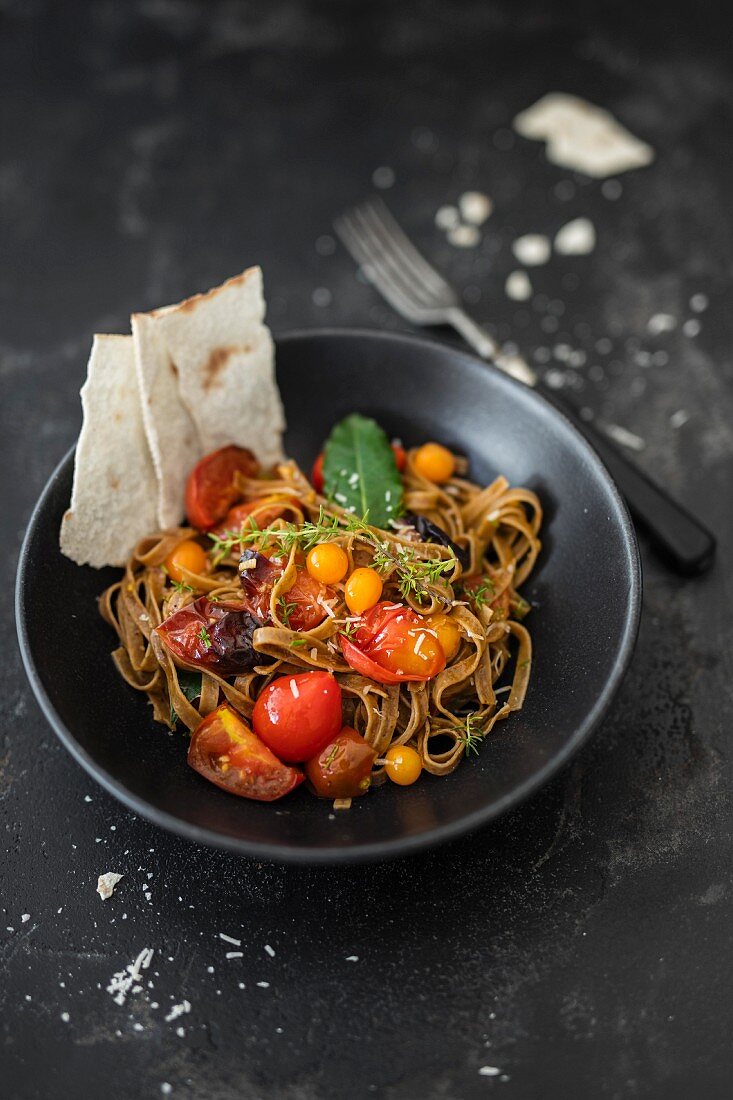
{"points": [[297, 715], [327, 562], [210, 489], [448, 631], [403, 765], [362, 590], [186, 558], [391, 646], [343, 769], [434, 462], [225, 751]]}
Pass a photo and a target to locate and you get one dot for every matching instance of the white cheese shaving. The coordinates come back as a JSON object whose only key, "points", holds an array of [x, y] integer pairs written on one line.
{"points": [[294, 689], [230, 939], [518, 287], [123, 981], [270, 950], [576, 238], [532, 249], [582, 136], [106, 884], [178, 1010]]}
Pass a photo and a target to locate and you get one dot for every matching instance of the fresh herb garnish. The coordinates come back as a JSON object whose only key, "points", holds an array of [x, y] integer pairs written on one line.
{"points": [[521, 607], [285, 609], [349, 630], [180, 587], [331, 756], [204, 637], [359, 470], [296, 643], [415, 575], [482, 595], [470, 735]]}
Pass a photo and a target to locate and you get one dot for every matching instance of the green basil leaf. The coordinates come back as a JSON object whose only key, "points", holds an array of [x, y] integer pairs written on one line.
{"points": [[190, 685], [360, 472]]}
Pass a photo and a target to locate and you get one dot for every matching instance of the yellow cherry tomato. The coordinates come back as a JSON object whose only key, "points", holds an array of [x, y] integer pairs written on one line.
{"points": [[403, 764], [363, 589], [434, 462], [448, 631], [187, 557], [327, 562]]}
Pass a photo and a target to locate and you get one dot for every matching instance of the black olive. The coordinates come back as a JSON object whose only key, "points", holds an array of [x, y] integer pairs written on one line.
{"points": [[232, 641], [430, 532]]}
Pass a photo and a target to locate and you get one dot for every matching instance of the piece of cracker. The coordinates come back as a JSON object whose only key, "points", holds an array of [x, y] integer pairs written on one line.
{"points": [[113, 499], [174, 441], [224, 356]]}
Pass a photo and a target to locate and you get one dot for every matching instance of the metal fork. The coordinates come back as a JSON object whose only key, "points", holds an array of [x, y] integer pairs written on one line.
{"points": [[392, 264]]}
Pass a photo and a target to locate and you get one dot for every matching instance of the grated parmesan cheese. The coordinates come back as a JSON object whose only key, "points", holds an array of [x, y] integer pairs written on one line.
{"points": [[106, 884]]}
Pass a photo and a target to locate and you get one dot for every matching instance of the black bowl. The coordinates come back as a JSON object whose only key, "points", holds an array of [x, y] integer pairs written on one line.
{"points": [[586, 589]]}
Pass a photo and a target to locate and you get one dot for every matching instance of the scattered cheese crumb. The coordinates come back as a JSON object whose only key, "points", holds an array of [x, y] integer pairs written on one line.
{"points": [[264, 985], [661, 322], [123, 981], [270, 951], [532, 250], [625, 437], [294, 689], [65, 1017], [25, 917], [234, 955], [178, 1010], [489, 1071], [464, 236], [699, 303], [352, 958], [518, 287], [447, 217], [677, 419], [475, 207], [577, 238], [106, 884], [230, 939]]}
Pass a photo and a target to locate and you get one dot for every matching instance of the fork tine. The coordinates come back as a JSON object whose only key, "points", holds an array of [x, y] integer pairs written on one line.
{"points": [[373, 267], [393, 232], [374, 240]]}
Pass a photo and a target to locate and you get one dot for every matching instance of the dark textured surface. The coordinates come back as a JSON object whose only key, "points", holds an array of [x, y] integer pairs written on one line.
{"points": [[582, 946]]}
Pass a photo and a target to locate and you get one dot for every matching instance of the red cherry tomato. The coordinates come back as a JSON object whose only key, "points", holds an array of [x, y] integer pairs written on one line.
{"points": [[300, 608], [225, 751], [478, 583], [212, 635], [400, 455], [317, 474], [297, 715], [343, 768], [393, 644], [210, 490], [238, 517]]}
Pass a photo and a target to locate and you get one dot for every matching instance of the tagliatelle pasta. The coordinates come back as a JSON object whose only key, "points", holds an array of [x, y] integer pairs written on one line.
{"points": [[451, 566]]}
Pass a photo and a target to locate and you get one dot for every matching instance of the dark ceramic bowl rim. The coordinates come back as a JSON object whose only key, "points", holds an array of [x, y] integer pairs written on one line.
{"points": [[384, 849]]}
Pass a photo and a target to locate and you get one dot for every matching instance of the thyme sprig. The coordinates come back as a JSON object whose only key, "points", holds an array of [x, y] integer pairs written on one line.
{"points": [[470, 734], [415, 575]]}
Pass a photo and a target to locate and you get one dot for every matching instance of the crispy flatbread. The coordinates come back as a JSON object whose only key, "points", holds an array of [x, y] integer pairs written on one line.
{"points": [[224, 355], [113, 499], [174, 441]]}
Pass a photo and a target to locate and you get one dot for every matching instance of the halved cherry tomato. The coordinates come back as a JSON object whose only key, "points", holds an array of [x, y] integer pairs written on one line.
{"points": [[392, 645], [477, 583], [211, 635], [210, 490], [239, 516], [301, 607], [296, 715], [400, 457], [317, 474], [343, 768], [225, 751]]}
